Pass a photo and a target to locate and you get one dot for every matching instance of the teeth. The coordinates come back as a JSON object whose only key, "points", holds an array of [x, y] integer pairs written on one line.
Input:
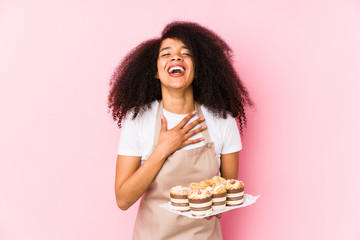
{"points": [[176, 68]]}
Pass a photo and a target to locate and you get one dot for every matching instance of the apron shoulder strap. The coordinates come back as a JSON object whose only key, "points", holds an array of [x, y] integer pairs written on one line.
{"points": [[158, 123], [204, 133]]}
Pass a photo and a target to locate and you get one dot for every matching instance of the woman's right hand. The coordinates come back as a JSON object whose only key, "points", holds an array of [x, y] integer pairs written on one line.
{"points": [[178, 137]]}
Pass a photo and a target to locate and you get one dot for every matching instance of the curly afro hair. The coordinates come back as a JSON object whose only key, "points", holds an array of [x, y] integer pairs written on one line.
{"points": [[217, 86]]}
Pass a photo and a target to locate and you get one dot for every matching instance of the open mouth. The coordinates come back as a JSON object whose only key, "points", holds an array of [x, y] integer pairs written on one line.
{"points": [[176, 70]]}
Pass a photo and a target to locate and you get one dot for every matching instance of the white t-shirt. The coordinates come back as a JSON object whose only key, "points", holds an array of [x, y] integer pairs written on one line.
{"points": [[137, 136]]}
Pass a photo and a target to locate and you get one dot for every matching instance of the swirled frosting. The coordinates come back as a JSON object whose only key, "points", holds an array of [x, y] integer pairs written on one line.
{"points": [[180, 190], [233, 184], [200, 193], [218, 189]]}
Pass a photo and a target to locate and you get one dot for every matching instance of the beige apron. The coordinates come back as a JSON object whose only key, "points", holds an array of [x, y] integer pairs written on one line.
{"points": [[181, 168]]}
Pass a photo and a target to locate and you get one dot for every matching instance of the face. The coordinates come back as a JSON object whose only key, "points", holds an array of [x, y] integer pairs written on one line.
{"points": [[175, 65]]}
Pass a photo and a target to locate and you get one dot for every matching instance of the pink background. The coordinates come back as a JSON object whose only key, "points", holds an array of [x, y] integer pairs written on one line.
{"points": [[299, 59]]}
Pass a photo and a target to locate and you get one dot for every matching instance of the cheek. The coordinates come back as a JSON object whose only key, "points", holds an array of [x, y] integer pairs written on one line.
{"points": [[192, 64], [193, 70], [160, 67]]}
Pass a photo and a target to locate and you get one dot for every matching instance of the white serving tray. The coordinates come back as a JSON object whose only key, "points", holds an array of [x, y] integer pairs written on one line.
{"points": [[248, 200]]}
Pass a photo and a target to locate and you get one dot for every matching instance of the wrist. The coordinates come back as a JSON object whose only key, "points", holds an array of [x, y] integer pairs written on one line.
{"points": [[160, 153]]}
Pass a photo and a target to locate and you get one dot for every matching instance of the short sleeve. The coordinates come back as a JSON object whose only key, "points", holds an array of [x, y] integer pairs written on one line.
{"points": [[231, 137], [129, 144]]}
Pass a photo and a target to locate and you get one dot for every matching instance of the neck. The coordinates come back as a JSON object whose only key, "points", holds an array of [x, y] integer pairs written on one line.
{"points": [[178, 103]]}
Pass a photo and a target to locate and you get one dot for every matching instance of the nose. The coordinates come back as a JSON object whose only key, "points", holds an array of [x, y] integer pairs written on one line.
{"points": [[176, 57]]}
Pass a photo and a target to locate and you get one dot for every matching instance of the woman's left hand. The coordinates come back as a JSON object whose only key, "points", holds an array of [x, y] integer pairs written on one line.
{"points": [[218, 216]]}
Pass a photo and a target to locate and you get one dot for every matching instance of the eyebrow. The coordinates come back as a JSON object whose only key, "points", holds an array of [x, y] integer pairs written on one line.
{"points": [[165, 48]]}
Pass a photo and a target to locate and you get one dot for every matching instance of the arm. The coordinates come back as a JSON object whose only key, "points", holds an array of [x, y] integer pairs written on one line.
{"points": [[231, 147], [132, 180], [229, 165]]}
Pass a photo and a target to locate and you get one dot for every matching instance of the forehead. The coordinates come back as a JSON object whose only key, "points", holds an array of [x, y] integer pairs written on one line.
{"points": [[172, 43]]}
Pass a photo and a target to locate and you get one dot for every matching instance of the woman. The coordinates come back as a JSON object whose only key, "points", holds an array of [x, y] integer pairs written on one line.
{"points": [[176, 98]]}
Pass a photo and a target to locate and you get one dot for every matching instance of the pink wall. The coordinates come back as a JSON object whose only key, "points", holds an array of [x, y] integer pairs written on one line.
{"points": [[299, 59]]}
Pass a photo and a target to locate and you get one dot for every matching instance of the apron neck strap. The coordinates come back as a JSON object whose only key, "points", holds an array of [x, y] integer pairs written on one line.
{"points": [[205, 134], [158, 123]]}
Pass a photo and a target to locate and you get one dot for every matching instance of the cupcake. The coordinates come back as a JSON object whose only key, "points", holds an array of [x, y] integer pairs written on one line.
{"points": [[179, 198], [200, 201], [235, 192], [219, 196]]}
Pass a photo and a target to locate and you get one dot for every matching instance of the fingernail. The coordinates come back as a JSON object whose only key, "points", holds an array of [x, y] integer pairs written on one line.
{"points": [[202, 118], [162, 117], [193, 113], [203, 127], [201, 139]]}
